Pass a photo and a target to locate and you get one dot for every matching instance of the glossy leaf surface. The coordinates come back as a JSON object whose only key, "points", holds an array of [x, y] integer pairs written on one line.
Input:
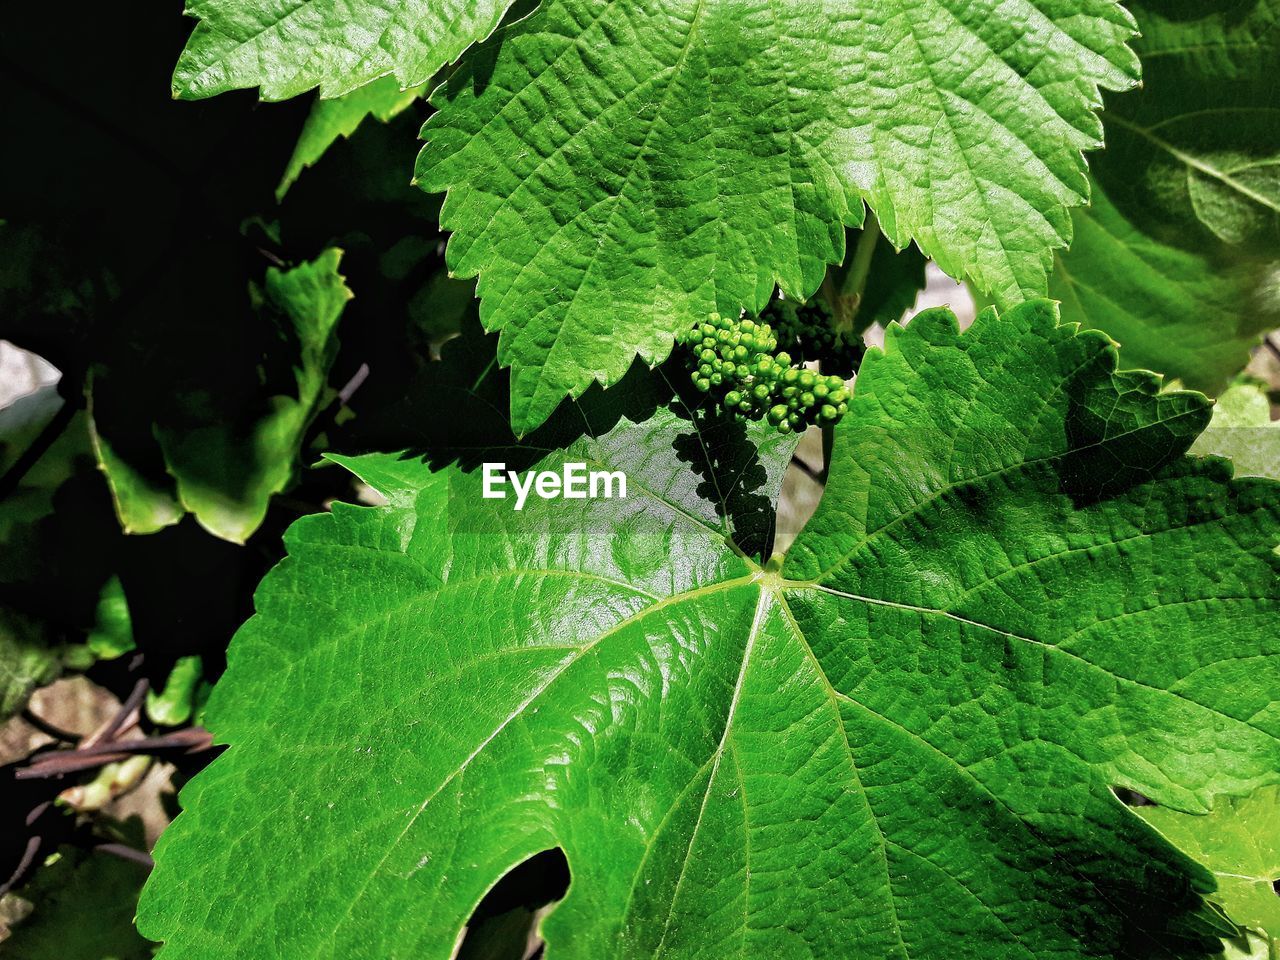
{"points": [[617, 171], [1016, 593]]}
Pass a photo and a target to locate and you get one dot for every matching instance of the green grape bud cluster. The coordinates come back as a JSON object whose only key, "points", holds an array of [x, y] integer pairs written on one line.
{"points": [[738, 362], [807, 331]]}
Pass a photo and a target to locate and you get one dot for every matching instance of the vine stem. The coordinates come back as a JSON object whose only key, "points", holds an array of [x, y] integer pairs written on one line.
{"points": [[843, 288], [126, 852], [844, 285], [61, 762]]}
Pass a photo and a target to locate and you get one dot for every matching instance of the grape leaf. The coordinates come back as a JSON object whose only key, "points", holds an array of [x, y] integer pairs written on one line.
{"points": [[1179, 256], [1242, 430], [228, 443], [1192, 313], [288, 48], [1239, 840], [330, 119], [617, 169], [1016, 593]]}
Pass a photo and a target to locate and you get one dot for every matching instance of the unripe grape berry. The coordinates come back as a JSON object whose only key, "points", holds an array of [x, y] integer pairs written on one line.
{"points": [[734, 359]]}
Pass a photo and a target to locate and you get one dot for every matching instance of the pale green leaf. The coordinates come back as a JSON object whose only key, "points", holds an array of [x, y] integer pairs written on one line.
{"points": [[177, 702], [330, 119], [1016, 593], [1242, 430], [1179, 256], [618, 170], [1239, 840], [112, 633], [145, 501], [1250, 946]]}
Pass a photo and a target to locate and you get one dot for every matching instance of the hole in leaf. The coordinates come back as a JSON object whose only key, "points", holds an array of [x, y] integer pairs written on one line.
{"points": [[502, 927], [1132, 798]]}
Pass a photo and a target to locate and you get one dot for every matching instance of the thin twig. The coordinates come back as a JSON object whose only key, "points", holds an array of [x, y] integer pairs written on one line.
{"points": [[31, 718], [120, 720], [272, 258], [352, 385], [28, 855], [59, 763], [807, 470], [125, 852], [1272, 346], [66, 761], [189, 738], [845, 283]]}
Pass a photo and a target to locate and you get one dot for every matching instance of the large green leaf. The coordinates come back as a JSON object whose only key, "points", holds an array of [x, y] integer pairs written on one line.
{"points": [[231, 433], [618, 169], [1016, 593], [1179, 256]]}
